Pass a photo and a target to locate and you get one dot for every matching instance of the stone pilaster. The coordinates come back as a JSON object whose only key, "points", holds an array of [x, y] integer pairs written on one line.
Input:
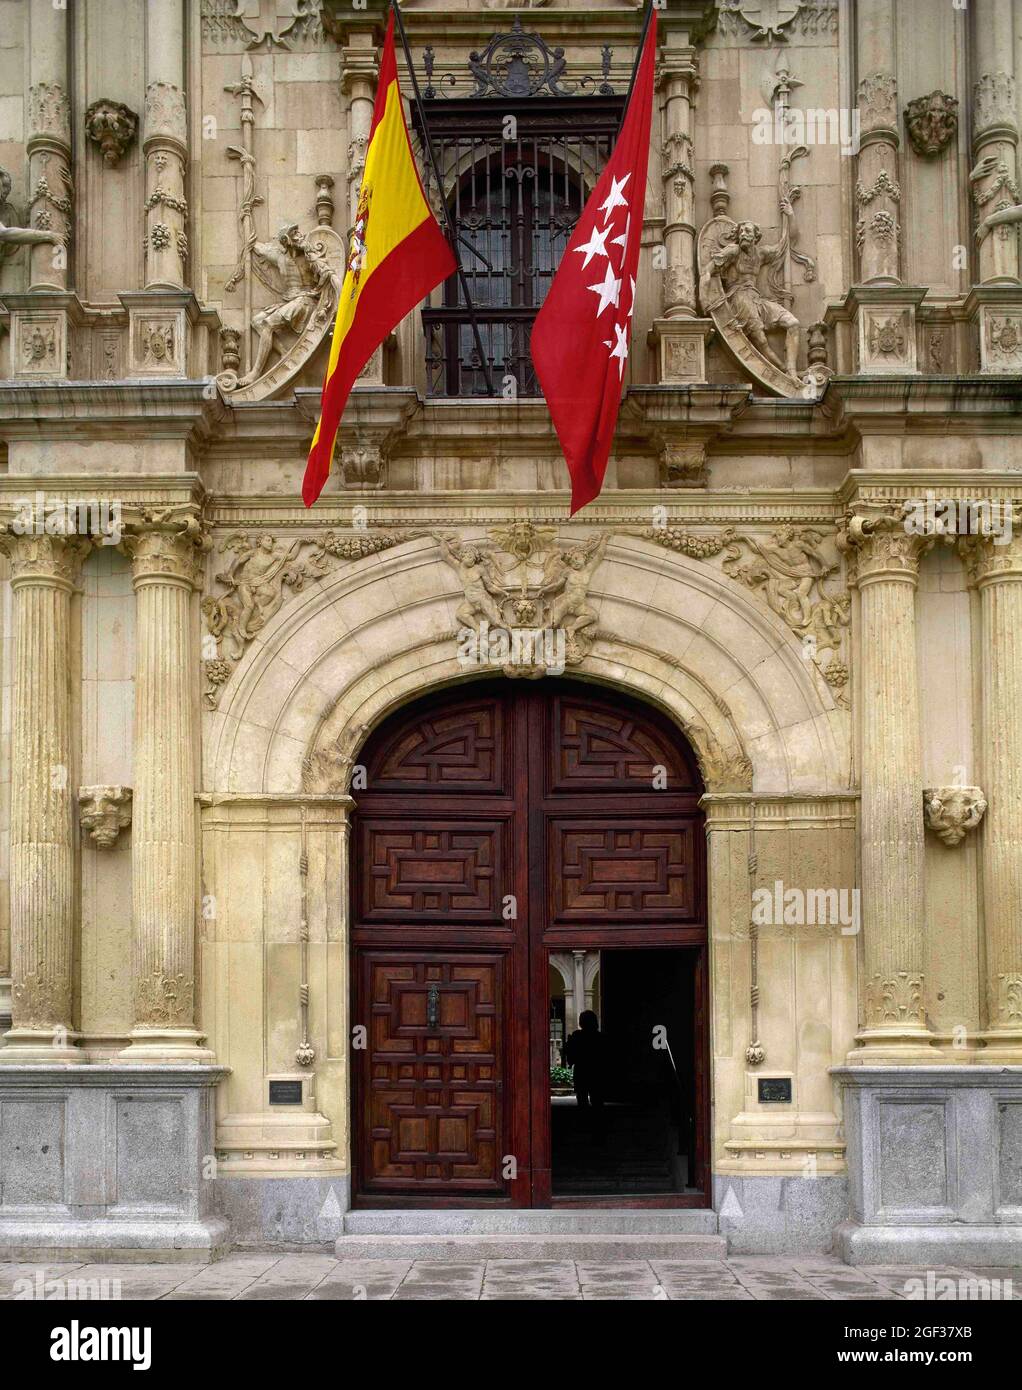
{"points": [[165, 143], [884, 564], [877, 190], [165, 560], [358, 84], [43, 858], [994, 177], [996, 571], [49, 144], [679, 78]]}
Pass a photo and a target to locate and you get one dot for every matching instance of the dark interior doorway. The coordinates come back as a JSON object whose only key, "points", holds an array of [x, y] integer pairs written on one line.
{"points": [[635, 1134]]}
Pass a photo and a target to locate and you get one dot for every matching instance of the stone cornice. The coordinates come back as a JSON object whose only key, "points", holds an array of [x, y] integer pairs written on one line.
{"points": [[884, 489], [104, 410]]}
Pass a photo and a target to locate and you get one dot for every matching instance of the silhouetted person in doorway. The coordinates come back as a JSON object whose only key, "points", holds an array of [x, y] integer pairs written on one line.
{"points": [[585, 1053]]}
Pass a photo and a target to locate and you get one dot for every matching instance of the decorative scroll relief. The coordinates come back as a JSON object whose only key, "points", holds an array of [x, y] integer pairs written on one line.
{"points": [[789, 569], [526, 602], [952, 811], [773, 21], [255, 585], [239, 21]]}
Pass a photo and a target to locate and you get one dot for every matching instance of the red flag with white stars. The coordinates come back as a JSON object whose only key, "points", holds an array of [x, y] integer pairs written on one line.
{"points": [[581, 334]]}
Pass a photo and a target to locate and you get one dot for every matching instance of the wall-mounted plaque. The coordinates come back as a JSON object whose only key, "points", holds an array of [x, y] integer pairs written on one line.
{"points": [[285, 1093], [774, 1090]]}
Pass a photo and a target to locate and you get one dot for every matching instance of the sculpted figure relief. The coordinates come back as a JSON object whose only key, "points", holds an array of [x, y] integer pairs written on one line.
{"points": [[307, 278], [732, 258], [738, 263]]}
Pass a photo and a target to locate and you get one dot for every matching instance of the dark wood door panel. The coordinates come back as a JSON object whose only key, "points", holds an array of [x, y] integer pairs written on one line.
{"points": [[436, 871], [443, 749], [634, 870], [432, 1092], [593, 747]]}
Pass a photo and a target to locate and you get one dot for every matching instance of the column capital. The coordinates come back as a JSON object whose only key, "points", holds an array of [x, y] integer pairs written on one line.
{"points": [[40, 558], [878, 545], [992, 559], [166, 545]]}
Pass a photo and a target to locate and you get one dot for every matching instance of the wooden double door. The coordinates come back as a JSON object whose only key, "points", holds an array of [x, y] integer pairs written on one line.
{"points": [[500, 822]]}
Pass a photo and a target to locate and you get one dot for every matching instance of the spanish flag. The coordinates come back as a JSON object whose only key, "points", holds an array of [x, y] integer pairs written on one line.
{"points": [[398, 254]]}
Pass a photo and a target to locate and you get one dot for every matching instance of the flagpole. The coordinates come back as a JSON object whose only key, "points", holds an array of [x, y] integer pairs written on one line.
{"points": [[638, 57], [428, 144]]}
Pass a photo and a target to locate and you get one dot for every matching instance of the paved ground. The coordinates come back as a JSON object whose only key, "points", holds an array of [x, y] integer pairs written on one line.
{"points": [[273, 1276]]}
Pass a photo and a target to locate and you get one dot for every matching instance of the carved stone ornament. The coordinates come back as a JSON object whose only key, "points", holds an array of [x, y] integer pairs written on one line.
{"points": [[257, 581], [896, 999], [952, 811], [526, 607], [160, 999], [789, 569], [878, 101], [767, 19], [234, 21], [104, 812], [165, 112], [49, 112], [111, 125], [731, 257], [993, 100], [932, 123], [682, 465]]}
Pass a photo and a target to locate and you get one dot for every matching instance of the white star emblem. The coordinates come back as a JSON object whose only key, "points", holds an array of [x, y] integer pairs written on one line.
{"points": [[614, 199], [620, 347], [631, 309], [608, 291], [622, 240], [595, 246]]}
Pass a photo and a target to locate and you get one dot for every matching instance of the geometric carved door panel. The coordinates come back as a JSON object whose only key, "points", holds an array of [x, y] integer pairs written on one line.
{"points": [[499, 822], [434, 1109]]}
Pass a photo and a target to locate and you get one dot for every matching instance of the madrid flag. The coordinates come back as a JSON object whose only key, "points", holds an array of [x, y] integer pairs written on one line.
{"points": [[398, 254], [580, 337]]}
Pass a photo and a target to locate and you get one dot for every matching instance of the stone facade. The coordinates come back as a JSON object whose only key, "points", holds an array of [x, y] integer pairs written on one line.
{"points": [[190, 661]]}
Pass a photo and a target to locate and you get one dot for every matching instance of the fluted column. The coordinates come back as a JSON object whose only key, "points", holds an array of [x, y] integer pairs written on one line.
{"points": [[165, 563], [994, 138], [877, 190], [165, 143], [885, 567], [679, 75], [42, 866], [996, 570], [49, 143]]}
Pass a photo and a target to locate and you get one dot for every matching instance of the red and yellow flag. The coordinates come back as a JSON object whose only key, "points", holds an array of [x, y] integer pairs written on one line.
{"points": [[398, 254]]}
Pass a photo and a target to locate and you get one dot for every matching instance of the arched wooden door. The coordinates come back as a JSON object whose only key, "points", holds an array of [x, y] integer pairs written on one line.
{"points": [[501, 821]]}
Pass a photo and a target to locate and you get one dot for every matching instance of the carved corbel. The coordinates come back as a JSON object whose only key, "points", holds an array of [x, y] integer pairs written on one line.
{"points": [[111, 125], [682, 464], [953, 811], [104, 812]]}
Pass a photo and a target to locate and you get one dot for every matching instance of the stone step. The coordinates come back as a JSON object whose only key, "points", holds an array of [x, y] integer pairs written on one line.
{"points": [[597, 1221], [536, 1245]]}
